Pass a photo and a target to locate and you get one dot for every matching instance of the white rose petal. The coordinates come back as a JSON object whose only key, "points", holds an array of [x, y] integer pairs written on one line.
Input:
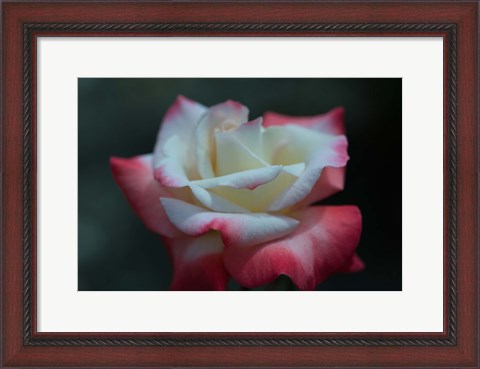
{"points": [[236, 229]]}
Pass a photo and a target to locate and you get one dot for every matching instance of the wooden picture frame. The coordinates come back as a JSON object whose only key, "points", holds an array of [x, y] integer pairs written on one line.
{"points": [[23, 22]]}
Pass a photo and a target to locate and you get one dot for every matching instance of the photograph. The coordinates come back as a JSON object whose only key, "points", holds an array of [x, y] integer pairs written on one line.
{"points": [[239, 184]]}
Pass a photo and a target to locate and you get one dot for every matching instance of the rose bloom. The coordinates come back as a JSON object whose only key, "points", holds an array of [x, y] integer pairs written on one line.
{"points": [[231, 197]]}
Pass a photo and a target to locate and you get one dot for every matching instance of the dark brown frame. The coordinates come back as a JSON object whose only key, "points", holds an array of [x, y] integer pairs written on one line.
{"points": [[456, 22]]}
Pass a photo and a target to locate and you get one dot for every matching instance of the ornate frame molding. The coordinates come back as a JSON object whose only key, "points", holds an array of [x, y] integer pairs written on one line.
{"points": [[29, 30]]}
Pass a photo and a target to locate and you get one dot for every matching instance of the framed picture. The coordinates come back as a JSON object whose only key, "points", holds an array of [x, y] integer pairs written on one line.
{"points": [[95, 183], [239, 184]]}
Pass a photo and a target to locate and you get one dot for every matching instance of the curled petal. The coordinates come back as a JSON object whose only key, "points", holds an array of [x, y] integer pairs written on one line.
{"points": [[135, 178], [228, 114], [250, 179], [239, 149], [334, 154], [224, 116], [331, 181], [214, 202], [324, 242], [260, 198], [332, 122], [170, 173], [236, 229], [197, 263], [174, 147], [251, 190]]}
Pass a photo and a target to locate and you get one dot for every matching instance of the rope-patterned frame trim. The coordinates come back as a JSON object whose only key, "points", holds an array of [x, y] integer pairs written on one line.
{"points": [[244, 28]]}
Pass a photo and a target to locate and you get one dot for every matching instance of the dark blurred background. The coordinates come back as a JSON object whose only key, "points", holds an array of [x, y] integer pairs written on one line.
{"points": [[121, 117]]}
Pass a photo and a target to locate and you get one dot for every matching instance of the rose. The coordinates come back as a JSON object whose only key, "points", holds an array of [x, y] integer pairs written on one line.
{"points": [[231, 197]]}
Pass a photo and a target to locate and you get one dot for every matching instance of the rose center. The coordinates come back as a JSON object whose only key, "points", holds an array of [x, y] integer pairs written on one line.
{"points": [[226, 126]]}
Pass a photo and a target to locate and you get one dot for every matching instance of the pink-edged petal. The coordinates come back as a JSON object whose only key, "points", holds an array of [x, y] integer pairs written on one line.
{"points": [[170, 172], [331, 181], [332, 122], [324, 241], [353, 265], [235, 229], [178, 126], [174, 147], [197, 263], [224, 116], [334, 154], [135, 178]]}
